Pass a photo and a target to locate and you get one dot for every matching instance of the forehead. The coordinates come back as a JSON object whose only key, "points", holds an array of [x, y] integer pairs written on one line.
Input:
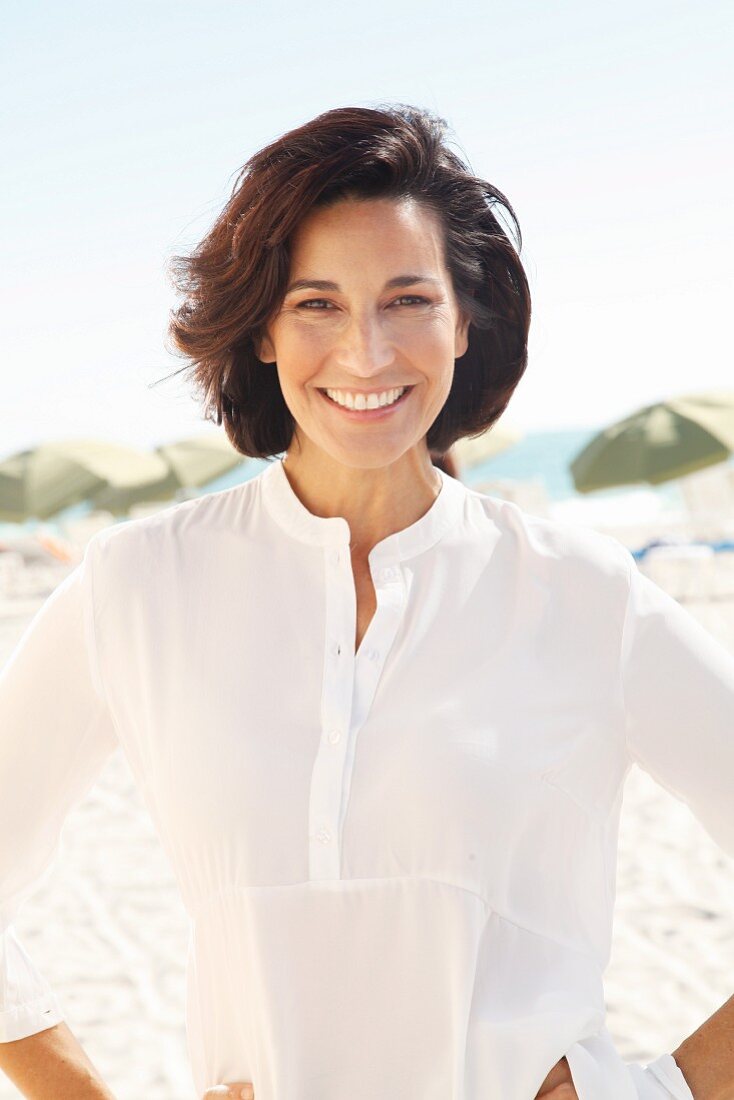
{"points": [[383, 231]]}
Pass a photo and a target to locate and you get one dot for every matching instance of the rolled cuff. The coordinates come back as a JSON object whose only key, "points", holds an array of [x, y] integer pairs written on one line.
{"points": [[20, 1021], [599, 1073], [661, 1080], [27, 1003]]}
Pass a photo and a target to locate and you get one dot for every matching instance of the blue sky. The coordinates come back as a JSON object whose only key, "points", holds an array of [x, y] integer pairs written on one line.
{"points": [[609, 128]]}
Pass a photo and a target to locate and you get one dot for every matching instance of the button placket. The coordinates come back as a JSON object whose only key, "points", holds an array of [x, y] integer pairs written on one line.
{"points": [[348, 688], [349, 684], [392, 589], [327, 778]]}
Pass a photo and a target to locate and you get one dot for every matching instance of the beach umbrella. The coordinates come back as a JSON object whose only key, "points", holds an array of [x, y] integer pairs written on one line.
{"points": [[473, 452], [188, 464], [42, 481], [201, 458], [658, 443]]}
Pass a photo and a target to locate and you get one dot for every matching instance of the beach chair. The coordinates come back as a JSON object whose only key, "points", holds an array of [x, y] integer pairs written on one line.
{"points": [[709, 498], [686, 572], [79, 531], [531, 496], [12, 564]]}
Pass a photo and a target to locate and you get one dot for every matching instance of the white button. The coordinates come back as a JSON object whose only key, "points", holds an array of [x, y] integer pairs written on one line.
{"points": [[323, 836], [335, 557], [336, 648], [334, 736], [374, 654], [388, 573]]}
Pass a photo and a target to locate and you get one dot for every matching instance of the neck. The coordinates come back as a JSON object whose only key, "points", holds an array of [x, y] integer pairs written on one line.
{"points": [[375, 501]]}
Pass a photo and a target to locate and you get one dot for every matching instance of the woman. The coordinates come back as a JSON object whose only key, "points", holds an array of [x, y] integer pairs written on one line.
{"points": [[382, 722]]}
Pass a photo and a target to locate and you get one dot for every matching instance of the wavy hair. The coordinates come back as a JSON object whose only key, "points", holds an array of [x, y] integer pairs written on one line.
{"points": [[234, 280]]}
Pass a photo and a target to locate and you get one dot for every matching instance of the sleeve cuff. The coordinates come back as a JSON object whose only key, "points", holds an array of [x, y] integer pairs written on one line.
{"points": [[667, 1070], [28, 1019], [660, 1080]]}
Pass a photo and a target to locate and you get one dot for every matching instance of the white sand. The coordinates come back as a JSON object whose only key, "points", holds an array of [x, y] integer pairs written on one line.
{"points": [[109, 931]]}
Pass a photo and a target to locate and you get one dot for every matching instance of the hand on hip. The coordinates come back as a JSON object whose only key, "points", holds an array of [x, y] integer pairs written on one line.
{"points": [[236, 1090], [558, 1085]]}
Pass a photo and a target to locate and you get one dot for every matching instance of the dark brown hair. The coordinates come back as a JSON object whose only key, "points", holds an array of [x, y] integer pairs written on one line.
{"points": [[234, 281]]}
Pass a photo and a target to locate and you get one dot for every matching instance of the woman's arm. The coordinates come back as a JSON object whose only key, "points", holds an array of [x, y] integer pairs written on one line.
{"points": [[678, 691], [55, 734], [706, 1058], [52, 1064]]}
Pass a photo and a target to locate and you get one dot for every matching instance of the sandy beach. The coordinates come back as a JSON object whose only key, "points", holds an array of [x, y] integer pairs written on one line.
{"points": [[109, 931]]}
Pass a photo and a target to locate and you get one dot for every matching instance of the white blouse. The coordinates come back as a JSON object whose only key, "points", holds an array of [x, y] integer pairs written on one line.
{"points": [[399, 866]]}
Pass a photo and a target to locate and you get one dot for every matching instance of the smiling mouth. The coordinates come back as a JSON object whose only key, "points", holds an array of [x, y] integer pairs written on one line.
{"points": [[367, 409]]}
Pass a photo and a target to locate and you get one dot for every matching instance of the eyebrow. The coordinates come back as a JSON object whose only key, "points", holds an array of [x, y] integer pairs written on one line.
{"points": [[327, 284]]}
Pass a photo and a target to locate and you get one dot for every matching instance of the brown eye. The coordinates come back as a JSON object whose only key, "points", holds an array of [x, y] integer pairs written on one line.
{"points": [[410, 298]]}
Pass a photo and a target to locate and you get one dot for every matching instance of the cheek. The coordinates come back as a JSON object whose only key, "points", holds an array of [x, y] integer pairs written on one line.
{"points": [[432, 346], [297, 363], [306, 339], [295, 344]]}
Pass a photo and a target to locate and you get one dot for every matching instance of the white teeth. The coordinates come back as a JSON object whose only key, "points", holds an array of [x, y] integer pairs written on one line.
{"points": [[359, 401]]}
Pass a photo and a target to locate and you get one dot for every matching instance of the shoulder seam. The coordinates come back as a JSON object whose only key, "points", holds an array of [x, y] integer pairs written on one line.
{"points": [[90, 628], [91, 635], [629, 564]]}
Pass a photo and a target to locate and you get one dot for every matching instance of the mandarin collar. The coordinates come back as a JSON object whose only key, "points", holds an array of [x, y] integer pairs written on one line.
{"points": [[287, 509]]}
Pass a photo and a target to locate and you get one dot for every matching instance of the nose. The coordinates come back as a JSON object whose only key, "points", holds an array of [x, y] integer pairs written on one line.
{"points": [[363, 348]]}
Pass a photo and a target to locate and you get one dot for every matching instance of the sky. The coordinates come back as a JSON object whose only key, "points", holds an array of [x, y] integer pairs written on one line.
{"points": [[609, 128]]}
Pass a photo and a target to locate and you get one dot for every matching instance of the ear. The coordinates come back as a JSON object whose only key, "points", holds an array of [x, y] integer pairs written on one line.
{"points": [[461, 341], [264, 349]]}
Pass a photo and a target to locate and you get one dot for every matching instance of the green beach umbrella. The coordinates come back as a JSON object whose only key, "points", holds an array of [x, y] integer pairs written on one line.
{"points": [[187, 464], [659, 443], [42, 481], [201, 458]]}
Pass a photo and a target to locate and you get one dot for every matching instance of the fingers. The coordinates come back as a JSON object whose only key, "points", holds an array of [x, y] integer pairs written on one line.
{"points": [[558, 1085], [235, 1090], [561, 1092]]}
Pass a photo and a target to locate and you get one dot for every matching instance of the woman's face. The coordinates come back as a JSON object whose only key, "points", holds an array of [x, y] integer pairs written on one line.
{"points": [[360, 335]]}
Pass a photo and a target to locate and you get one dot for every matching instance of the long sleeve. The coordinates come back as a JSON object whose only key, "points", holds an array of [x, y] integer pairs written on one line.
{"points": [[677, 684], [678, 690], [55, 734]]}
